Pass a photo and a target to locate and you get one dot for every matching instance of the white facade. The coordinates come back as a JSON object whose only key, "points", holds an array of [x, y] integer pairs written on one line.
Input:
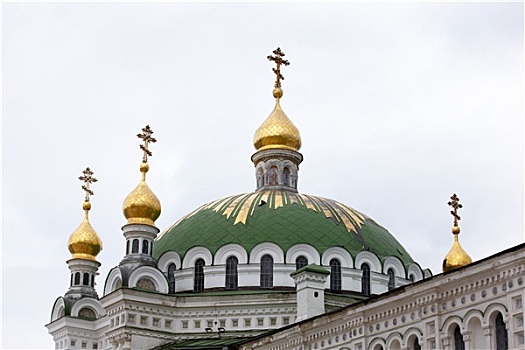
{"points": [[426, 313]]}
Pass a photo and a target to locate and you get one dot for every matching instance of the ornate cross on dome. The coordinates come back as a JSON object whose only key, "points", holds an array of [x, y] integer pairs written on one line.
{"points": [[146, 137], [278, 59], [88, 180], [454, 203]]}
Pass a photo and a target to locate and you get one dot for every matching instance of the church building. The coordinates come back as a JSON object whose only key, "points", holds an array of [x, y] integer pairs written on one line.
{"points": [[278, 269]]}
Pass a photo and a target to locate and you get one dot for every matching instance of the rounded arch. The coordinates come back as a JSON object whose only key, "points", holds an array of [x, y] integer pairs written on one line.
{"points": [[228, 250], [168, 258], [410, 334], [340, 254], [112, 281], [271, 249], [158, 278], [197, 253], [472, 313], [377, 343], [308, 251], [59, 309], [392, 339], [473, 324], [415, 269], [370, 258], [451, 322], [492, 310], [392, 262], [90, 303]]}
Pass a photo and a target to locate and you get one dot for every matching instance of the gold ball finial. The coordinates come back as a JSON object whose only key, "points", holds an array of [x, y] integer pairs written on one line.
{"points": [[86, 206], [455, 230], [278, 92]]}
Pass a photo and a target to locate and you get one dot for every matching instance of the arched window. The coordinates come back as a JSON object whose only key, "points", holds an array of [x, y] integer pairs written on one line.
{"points": [[198, 276], [286, 177], [365, 279], [145, 247], [127, 247], [416, 345], [266, 271], [171, 278], [272, 176], [92, 280], [459, 344], [391, 279], [87, 313], [231, 273], [335, 275], [135, 246], [300, 262], [502, 338], [77, 278], [85, 279], [260, 178], [71, 280]]}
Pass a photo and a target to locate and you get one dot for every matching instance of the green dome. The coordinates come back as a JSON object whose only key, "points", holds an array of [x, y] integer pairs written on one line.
{"points": [[281, 217]]}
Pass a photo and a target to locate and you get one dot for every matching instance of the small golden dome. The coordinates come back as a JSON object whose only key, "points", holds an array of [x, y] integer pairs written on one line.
{"points": [[277, 131], [457, 256], [142, 206], [84, 243]]}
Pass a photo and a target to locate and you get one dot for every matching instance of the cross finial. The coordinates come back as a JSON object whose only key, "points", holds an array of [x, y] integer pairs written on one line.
{"points": [[278, 59], [147, 138], [454, 203], [88, 180]]}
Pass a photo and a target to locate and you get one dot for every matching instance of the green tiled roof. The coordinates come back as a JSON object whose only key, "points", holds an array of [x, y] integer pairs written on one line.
{"points": [[280, 217]]}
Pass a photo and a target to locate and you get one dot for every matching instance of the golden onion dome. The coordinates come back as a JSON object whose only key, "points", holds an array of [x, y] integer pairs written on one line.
{"points": [[142, 206], [84, 243], [277, 131], [457, 256]]}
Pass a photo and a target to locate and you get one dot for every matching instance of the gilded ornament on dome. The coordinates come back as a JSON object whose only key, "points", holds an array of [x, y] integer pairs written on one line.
{"points": [[84, 243], [142, 206]]}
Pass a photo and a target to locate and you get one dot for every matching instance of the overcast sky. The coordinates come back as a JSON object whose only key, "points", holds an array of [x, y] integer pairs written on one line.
{"points": [[399, 106]]}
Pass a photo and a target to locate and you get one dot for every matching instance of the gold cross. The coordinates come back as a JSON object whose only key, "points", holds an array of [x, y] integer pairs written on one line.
{"points": [[278, 59], [146, 137], [88, 179], [454, 203]]}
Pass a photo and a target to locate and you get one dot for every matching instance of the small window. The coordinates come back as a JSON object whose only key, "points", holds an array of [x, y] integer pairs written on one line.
{"points": [[273, 321], [231, 273], [335, 275], [135, 246], [459, 344], [146, 284], [222, 323], [235, 322], [127, 247], [365, 280], [209, 323], [77, 278], [92, 280], [412, 278], [84, 345], [300, 262], [87, 313], [391, 279], [185, 324], [171, 278], [167, 324], [197, 324], [71, 280], [502, 338], [247, 322], [266, 278], [286, 320], [198, 276], [85, 279], [145, 247], [260, 322], [286, 177]]}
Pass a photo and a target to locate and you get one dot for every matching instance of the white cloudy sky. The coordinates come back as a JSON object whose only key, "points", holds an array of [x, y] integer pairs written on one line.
{"points": [[399, 106]]}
